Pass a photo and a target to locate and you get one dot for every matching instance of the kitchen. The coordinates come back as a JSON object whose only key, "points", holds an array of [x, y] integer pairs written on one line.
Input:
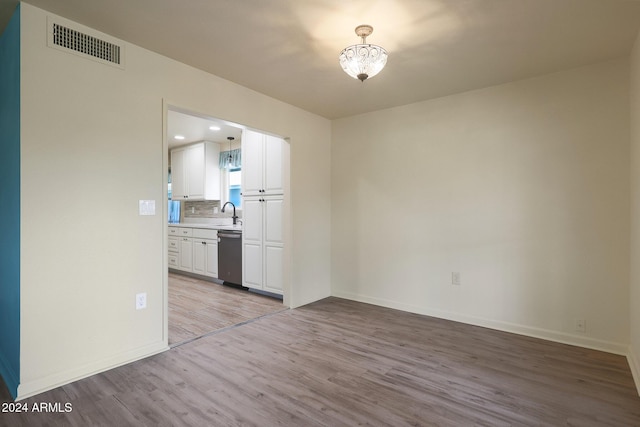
{"points": [[225, 243]]}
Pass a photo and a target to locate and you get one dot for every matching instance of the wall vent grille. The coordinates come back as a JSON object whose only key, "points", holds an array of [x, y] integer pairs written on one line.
{"points": [[86, 44]]}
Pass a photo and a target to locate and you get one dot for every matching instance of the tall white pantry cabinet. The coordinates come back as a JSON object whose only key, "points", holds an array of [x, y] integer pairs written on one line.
{"points": [[262, 203]]}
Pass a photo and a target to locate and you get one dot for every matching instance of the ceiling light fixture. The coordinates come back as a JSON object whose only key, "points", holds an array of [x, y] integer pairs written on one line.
{"points": [[179, 137], [363, 60], [214, 127]]}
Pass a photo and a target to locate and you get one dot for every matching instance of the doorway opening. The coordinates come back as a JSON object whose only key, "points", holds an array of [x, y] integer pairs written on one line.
{"points": [[199, 300]]}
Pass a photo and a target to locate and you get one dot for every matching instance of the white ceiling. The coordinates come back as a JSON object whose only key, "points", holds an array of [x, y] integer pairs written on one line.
{"points": [[288, 49], [196, 128]]}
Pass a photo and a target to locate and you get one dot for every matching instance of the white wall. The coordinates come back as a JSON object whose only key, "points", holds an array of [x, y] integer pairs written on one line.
{"points": [[634, 298], [523, 188], [92, 146]]}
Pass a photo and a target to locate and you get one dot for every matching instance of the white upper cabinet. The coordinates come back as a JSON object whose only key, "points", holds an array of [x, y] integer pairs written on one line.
{"points": [[252, 163], [261, 164], [272, 165], [195, 173], [178, 183]]}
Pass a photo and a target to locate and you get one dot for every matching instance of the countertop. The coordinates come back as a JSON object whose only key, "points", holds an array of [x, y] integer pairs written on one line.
{"points": [[208, 226]]}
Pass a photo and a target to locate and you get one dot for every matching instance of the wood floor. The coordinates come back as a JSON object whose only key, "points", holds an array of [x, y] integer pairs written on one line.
{"points": [[198, 307], [342, 363]]}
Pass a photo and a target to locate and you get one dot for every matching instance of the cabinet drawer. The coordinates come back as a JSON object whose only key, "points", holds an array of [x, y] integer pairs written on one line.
{"points": [[173, 231], [185, 232], [173, 244], [173, 261], [204, 233]]}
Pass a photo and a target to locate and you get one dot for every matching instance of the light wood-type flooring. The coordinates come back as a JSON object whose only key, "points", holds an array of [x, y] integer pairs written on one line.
{"points": [[198, 307], [342, 363]]}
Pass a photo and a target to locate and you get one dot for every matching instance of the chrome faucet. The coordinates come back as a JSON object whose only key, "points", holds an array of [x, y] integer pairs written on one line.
{"points": [[235, 218]]}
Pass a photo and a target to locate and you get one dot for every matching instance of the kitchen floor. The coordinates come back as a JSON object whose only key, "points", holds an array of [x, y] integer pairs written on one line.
{"points": [[199, 307]]}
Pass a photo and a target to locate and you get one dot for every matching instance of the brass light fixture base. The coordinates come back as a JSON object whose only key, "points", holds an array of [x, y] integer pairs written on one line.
{"points": [[364, 31]]}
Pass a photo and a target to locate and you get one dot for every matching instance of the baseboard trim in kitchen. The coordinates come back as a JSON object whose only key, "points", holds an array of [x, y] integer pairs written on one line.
{"points": [[196, 276]]}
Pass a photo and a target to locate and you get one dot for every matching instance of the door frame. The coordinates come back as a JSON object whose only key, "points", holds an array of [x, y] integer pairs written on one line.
{"points": [[287, 287]]}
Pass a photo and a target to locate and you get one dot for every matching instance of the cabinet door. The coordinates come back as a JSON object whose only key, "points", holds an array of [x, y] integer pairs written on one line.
{"points": [[174, 245], [186, 253], [211, 171], [212, 258], [252, 163], [272, 220], [199, 256], [272, 165], [273, 268], [195, 171], [174, 260], [252, 242], [252, 219], [252, 265], [178, 183], [272, 244]]}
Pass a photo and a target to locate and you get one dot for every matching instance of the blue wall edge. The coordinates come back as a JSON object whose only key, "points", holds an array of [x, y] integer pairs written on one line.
{"points": [[10, 377], [10, 56]]}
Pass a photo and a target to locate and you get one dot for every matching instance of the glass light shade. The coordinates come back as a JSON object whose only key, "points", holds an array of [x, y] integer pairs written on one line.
{"points": [[362, 61]]}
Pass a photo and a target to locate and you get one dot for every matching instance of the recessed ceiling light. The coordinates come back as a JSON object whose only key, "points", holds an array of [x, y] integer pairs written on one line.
{"points": [[214, 127], [180, 137]]}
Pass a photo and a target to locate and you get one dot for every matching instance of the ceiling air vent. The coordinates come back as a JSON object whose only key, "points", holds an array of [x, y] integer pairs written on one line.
{"points": [[86, 45]]}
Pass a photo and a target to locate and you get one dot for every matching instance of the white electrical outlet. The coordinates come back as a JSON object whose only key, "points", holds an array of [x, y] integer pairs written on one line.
{"points": [[581, 325], [455, 278], [141, 301]]}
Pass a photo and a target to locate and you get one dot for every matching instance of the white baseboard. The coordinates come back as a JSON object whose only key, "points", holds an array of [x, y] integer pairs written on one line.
{"points": [[50, 382], [635, 367], [560, 337]]}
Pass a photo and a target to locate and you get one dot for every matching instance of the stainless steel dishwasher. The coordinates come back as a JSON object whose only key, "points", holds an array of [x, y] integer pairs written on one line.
{"points": [[230, 257]]}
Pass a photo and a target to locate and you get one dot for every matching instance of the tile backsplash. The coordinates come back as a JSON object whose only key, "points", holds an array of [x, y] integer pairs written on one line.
{"points": [[204, 209], [201, 209]]}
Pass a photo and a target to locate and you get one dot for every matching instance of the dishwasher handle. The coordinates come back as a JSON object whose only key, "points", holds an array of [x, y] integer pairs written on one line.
{"points": [[230, 235]]}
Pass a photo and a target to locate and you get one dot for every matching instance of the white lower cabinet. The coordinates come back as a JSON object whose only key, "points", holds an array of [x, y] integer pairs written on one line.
{"points": [[252, 265], [194, 250], [174, 252], [273, 268], [186, 254], [262, 243], [205, 252]]}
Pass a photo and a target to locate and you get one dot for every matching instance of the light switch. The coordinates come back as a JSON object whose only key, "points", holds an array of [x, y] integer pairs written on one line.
{"points": [[141, 301], [147, 207]]}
